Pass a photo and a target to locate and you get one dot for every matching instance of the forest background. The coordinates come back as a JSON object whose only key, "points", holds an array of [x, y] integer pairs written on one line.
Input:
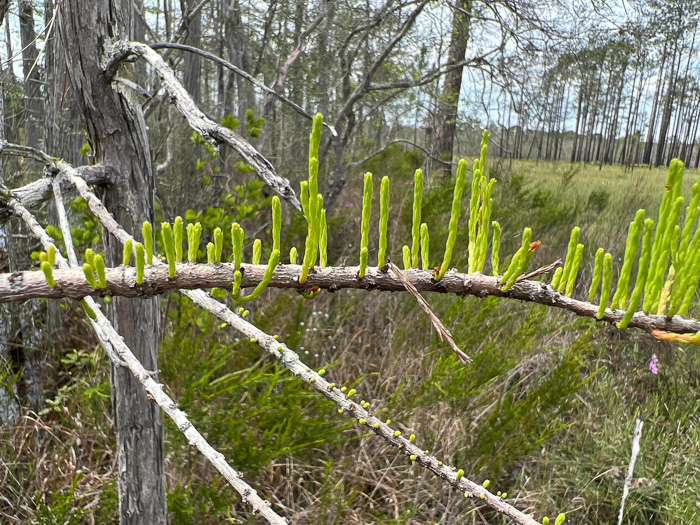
{"points": [[586, 102]]}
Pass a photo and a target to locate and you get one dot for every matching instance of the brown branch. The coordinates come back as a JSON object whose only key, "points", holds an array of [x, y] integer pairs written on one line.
{"points": [[112, 341], [208, 129], [121, 281], [291, 361], [442, 330]]}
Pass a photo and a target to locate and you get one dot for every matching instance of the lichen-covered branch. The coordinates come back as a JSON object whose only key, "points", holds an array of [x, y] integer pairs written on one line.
{"points": [[121, 281], [113, 342], [208, 129]]}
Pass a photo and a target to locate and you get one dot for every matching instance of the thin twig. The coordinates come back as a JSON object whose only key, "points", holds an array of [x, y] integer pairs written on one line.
{"points": [[244, 74], [442, 330]]}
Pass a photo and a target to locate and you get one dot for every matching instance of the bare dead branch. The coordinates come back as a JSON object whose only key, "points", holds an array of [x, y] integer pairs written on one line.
{"points": [[39, 191], [442, 330], [111, 340], [208, 129], [244, 74]]}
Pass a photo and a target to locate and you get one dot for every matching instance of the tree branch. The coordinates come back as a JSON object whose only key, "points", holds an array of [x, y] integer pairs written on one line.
{"points": [[209, 130], [39, 191], [111, 340], [244, 74], [291, 361], [121, 281]]}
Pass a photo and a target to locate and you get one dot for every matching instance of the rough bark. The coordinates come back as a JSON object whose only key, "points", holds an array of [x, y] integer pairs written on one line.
{"points": [[117, 134], [448, 102], [33, 101]]}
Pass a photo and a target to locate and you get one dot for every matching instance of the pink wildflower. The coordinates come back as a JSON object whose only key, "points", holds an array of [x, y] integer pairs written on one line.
{"points": [[654, 364]]}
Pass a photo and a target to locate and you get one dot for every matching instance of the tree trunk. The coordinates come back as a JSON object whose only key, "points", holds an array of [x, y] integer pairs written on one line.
{"points": [[193, 62], [448, 102], [117, 133]]}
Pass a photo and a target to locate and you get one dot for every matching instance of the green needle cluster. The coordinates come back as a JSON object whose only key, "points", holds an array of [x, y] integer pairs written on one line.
{"points": [[495, 247], [140, 262], [634, 235], [178, 230], [147, 232], [519, 262], [95, 265], [366, 216], [406, 257], [562, 283], [669, 212], [605, 291], [126, 253], [276, 223], [597, 273], [480, 206], [574, 270], [323, 241], [168, 237], [219, 243], [454, 219], [257, 251], [48, 273], [293, 255], [425, 246], [211, 253], [383, 221], [312, 202], [642, 272], [194, 234], [415, 225], [267, 277]]}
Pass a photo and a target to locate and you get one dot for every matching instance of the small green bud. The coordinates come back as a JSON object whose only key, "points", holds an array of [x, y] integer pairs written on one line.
{"points": [[276, 222], [218, 244], [344, 389], [383, 221], [486, 483], [90, 276], [504, 495], [413, 457], [560, 519], [388, 421], [460, 473], [126, 253], [362, 421], [257, 251], [90, 257], [340, 411], [100, 269], [412, 438], [48, 273], [545, 521], [397, 433], [415, 226], [406, 258], [166, 233], [140, 262], [293, 255], [211, 253], [439, 463], [351, 392], [495, 247], [245, 313], [147, 232], [331, 386], [323, 241], [51, 254], [177, 234], [44, 257], [253, 340], [322, 372], [376, 425]]}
